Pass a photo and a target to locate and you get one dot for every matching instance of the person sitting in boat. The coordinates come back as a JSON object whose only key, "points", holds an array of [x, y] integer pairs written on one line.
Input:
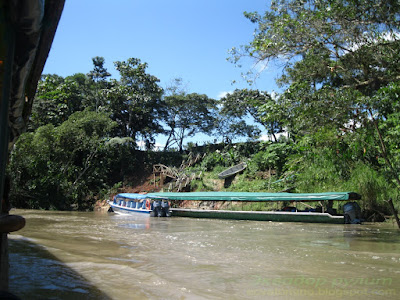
{"points": [[290, 207], [330, 209]]}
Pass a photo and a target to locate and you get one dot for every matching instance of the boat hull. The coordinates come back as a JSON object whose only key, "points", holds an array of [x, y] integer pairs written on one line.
{"points": [[128, 210], [275, 216], [232, 171]]}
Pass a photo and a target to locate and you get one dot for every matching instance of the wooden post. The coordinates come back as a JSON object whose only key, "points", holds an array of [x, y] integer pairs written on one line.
{"points": [[396, 217], [8, 44], [7, 38], [161, 179]]}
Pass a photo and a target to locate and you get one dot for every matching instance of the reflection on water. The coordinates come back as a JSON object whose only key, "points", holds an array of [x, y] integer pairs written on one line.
{"points": [[62, 255]]}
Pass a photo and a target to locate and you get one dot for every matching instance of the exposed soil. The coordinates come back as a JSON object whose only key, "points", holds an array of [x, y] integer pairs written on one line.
{"points": [[141, 184]]}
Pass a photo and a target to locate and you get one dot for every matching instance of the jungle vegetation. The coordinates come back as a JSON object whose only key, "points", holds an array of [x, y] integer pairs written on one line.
{"points": [[335, 125]]}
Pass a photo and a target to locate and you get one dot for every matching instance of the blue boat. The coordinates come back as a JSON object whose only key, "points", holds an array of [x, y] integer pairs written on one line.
{"points": [[127, 203]]}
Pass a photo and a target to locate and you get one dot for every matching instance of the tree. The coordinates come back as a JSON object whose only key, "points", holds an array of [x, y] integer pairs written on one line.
{"points": [[243, 103], [57, 98], [61, 167], [98, 76], [337, 55], [135, 100], [186, 115], [341, 37], [99, 73], [229, 128], [338, 58]]}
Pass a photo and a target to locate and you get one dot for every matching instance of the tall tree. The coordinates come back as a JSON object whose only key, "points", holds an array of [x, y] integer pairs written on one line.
{"points": [[135, 100], [341, 39], [57, 98], [244, 103], [186, 115], [98, 76], [230, 128], [339, 57], [59, 167]]}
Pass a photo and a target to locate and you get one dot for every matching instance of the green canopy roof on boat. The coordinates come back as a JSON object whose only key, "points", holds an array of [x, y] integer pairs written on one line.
{"points": [[248, 196]]}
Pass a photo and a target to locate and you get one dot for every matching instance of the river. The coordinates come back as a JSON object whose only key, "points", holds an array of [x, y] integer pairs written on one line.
{"points": [[89, 255]]}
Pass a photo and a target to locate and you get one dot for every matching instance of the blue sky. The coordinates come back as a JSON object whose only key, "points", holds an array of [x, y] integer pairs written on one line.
{"points": [[189, 39]]}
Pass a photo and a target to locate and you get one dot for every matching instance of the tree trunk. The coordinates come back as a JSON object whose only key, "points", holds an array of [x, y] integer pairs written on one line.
{"points": [[396, 217]]}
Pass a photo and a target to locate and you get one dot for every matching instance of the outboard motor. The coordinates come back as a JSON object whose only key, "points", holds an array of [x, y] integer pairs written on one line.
{"points": [[156, 209], [352, 213], [165, 209]]}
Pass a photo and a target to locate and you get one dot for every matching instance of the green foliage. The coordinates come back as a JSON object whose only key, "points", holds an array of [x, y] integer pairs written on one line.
{"points": [[236, 106], [187, 115], [387, 101], [272, 156], [214, 159], [341, 99], [340, 108], [373, 187], [98, 85], [337, 55], [201, 186], [61, 167], [229, 128], [319, 174], [135, 100], [99, 73], [324, 175], [107, 193], [228, 155], [243, 184]]}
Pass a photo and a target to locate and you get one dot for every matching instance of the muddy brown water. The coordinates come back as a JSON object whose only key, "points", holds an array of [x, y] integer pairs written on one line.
{"points": [[88, 255]]}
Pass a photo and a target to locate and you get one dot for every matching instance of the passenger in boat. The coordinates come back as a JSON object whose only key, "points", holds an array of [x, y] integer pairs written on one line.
{"points": [[330, 209], [289, 208]]}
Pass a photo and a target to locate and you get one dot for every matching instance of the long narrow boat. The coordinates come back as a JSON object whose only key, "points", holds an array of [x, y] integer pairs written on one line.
{"points": [[232, 170], [229, 205]]}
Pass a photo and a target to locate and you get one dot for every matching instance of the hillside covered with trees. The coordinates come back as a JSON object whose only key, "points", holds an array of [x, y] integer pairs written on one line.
{"points": [[339, 110]]}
